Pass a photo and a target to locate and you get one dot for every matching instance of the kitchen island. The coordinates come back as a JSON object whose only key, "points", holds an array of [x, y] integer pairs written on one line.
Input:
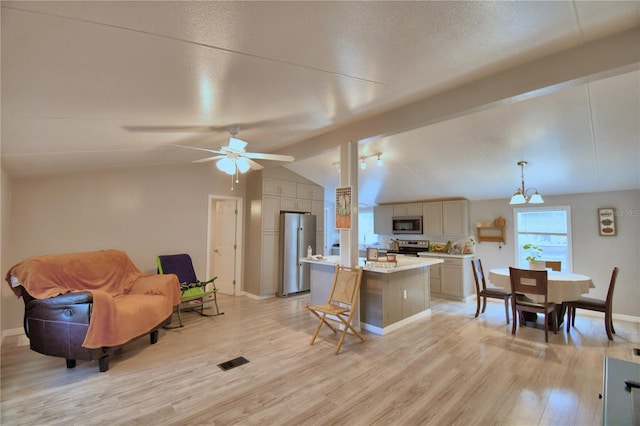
{"points": [[390, 296]]}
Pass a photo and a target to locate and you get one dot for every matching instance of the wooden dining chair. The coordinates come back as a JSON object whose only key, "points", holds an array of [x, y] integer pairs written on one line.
{"points": [[340, 305], [597, 305], [531, 282], [555, 265], [482, 292]]}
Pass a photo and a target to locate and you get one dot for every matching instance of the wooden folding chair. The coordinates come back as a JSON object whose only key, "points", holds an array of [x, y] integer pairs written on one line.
{"points": [[340, 304]]}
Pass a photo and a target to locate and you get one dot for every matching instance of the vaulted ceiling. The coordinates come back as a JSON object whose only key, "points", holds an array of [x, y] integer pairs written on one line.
{"points": [[453, 94]]}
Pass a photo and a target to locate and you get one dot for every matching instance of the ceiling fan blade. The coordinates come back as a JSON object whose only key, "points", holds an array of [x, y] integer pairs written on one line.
{"points": [[237, 144], [254, 165], [214, 151], [275, 157], [204, 160], [187, 128]]}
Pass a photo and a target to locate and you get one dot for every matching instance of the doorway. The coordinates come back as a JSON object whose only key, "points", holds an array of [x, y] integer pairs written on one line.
{"points": [[224, 243]]}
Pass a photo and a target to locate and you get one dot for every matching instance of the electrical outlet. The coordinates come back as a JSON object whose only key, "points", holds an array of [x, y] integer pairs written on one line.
{"points": [[404, 293]]}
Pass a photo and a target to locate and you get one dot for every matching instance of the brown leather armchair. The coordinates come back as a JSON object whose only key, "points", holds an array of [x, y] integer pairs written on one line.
{"points": [[58, 326]]}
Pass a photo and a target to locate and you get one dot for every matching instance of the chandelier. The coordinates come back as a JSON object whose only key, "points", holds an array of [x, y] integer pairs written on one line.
{"points": [[520, 196]]}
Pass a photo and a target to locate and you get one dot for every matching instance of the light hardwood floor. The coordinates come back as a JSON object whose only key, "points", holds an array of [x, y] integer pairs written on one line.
{"points": [[448, 368]]}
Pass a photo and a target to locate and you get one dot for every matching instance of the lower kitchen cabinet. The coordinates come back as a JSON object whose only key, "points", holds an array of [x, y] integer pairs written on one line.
{"points": [[269, 263], [452, 279]]}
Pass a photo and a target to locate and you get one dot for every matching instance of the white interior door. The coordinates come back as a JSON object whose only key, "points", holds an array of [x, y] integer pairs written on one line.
{"points": [[223, 256]]}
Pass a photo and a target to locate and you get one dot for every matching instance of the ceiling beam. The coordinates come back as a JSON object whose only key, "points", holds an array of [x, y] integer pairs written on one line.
{"points": [[599, 59]]}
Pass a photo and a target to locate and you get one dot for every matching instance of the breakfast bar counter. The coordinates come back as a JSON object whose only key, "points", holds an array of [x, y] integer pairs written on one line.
{"points": [[390, 296]]}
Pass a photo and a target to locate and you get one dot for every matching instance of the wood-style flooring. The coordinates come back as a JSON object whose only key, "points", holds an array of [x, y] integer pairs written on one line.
{"points": [[446, 369]]}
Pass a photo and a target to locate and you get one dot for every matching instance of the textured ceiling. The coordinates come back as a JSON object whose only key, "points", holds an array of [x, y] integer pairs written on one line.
{"points": [[422, 82]]}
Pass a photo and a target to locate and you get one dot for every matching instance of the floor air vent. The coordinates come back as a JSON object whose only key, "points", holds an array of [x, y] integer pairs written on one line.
{"points": [[236, 362]]}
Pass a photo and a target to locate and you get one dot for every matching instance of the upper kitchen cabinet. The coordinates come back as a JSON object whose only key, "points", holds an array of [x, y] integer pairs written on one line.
{"points": [[309, 192], [279, 187], [432, 218], [413, 209], [446, 218], [439, 218], [455, 217], [382, 220]]}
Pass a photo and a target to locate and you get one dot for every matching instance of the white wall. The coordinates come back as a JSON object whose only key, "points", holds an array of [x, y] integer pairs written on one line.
{"points": [[5, 202], [143, 211], [593, 255]]}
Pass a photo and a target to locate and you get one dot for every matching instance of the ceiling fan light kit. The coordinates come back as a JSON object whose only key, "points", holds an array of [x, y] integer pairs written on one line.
{"points": [[233, 159], [520, 196]]}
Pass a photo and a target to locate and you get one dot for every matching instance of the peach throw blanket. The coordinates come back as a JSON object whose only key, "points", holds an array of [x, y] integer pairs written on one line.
{"points": [[126, 302]]}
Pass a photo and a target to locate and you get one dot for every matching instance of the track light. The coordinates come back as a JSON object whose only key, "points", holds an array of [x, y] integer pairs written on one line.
{"points": [[380, 163], [363, 163]]}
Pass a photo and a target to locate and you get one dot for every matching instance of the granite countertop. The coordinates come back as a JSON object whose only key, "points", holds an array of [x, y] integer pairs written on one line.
{"points": [[404, 263], [434, 253]]}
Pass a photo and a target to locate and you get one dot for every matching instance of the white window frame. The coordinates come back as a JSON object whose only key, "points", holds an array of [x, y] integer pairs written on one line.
{"points": [[569, 266]]}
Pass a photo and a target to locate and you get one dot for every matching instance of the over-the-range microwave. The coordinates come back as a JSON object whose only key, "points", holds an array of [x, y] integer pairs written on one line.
{"points": [[407, 225]]}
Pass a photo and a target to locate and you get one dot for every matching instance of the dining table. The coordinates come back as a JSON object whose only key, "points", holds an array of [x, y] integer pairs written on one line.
{"points": [[562, 287]]}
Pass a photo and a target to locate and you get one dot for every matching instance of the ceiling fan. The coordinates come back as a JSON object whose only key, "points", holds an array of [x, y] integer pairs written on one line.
{"points": [[233, 159]]}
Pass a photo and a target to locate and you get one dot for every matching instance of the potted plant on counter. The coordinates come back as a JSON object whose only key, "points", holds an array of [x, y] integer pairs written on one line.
{"points": [[533, 256]]}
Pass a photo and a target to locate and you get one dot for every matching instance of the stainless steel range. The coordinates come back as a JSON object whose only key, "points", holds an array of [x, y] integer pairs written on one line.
{"points": [[411, 247]]}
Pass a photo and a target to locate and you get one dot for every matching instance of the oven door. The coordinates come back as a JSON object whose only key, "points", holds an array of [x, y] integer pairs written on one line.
{"points": [[407, 225]]}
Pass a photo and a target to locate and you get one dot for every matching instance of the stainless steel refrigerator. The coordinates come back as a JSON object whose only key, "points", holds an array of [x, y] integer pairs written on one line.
{"points": [[297, 233]]}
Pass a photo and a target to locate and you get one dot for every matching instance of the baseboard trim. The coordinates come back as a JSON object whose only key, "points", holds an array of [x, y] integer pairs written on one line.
{"points": [[395, 326], [18, 331]]}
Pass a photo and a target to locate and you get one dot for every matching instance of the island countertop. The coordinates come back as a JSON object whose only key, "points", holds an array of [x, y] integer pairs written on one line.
{"points": [[404, 263]]}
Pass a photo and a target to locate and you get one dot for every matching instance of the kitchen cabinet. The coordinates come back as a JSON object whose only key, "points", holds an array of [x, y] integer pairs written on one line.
{"points": [[452, 279], [267, 195], [270, 213], [382, 217], [434, 279], [445, 218], [432, 218], [295, 205], [269, 263], [317, 209], [310, 192], [451, 283], [413, 209], [279, 187], [455, 217]]}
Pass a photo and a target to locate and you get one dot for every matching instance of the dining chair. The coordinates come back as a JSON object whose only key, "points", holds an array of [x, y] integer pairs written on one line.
{"points": [[531, 282], [598, 305], [555, 265], [341, 304], [482, 292]]}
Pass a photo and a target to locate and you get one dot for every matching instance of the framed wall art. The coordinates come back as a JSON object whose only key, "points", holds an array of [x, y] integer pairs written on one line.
{"points": [[372, 253], [343, 207], [607, 221]]}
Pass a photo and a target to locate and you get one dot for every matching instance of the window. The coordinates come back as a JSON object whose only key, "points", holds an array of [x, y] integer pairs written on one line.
{"points": [[548, 228], [366, 237]]}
